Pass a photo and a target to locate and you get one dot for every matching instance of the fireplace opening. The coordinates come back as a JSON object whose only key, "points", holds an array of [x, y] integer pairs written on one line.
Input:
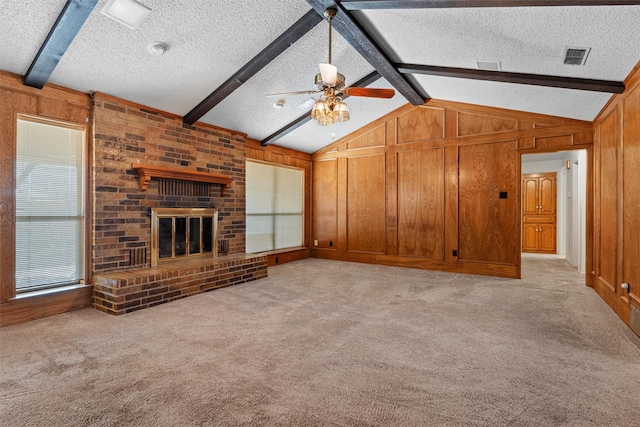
{"points": [[181, 233]]}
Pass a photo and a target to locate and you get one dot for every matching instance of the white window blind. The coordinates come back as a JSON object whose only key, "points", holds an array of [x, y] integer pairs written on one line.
{"points": [[274, 207], [49, 205]]}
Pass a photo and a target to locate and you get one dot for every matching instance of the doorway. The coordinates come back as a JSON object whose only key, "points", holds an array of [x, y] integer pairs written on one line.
{"points": [[570, 169]]}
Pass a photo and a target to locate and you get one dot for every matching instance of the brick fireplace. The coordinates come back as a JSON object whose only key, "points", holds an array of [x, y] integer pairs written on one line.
{"points": [[128, 135]]}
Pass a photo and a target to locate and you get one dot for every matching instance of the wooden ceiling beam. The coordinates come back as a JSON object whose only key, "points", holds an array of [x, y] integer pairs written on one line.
{"points": [[435, 4], [64, 30], [357, 37], [268, 54], [290, 127], [521, 78], [363, 82]]}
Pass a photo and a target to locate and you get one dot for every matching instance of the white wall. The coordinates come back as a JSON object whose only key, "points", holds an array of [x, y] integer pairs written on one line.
{"points": [[576, 198], [571, 251]]}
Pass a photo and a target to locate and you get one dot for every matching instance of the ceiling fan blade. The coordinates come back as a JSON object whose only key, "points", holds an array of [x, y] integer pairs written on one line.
{"points": [[329, 74], [301, 92], [371, 93]]}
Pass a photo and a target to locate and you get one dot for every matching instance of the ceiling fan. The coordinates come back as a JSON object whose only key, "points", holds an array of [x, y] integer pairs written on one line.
{"points": [[330, 107]]}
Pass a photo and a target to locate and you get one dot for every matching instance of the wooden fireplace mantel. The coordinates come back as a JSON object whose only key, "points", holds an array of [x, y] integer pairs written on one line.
{"points": [[146, 172]]}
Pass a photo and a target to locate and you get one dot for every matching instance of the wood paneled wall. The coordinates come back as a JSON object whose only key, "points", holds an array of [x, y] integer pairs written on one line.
{"points": [[488, 225], [286, 157], [420, 192], [51, 102], [434, 186], [615, 202]]}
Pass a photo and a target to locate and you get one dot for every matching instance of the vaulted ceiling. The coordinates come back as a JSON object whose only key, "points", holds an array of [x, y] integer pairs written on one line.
{"points": [[225, 56]]}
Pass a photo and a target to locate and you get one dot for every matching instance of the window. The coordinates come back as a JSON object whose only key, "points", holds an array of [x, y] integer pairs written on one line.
{"points": [[274, 207], [49, 243]]}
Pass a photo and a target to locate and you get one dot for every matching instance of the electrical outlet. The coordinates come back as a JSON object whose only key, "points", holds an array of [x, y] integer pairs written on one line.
{"points": [[315, 243]]}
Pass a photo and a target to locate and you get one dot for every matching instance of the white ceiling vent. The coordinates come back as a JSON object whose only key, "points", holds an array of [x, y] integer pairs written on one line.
{"points": [[488, 65], [575, 55]]}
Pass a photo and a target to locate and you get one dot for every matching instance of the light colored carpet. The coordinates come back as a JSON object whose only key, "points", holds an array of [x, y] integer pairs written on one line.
{"points": [[335, 344]]}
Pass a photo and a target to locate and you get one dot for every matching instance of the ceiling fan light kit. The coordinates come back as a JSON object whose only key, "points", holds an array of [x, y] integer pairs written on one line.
{"points": [[331, 108]]}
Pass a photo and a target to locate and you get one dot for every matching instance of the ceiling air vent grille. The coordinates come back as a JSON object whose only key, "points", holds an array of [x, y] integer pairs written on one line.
{"points": [[576, 55]]}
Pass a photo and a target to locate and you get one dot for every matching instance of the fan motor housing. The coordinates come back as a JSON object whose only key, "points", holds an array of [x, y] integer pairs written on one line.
{"points": [[322, 86]]}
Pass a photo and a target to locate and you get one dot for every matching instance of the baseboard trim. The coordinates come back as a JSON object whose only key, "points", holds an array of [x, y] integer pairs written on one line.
{"points": [[36, 306]]}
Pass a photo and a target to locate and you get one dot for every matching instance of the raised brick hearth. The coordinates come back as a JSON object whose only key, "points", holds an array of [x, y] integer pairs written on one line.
{"points": [[125, 291]]}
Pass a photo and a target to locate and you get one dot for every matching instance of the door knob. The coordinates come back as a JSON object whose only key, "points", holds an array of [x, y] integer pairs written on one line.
{"points": [[625, 286]]}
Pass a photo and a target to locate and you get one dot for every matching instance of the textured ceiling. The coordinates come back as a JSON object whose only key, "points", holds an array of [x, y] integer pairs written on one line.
{"points": [[525, 40], [293, 70], [209, 41]]}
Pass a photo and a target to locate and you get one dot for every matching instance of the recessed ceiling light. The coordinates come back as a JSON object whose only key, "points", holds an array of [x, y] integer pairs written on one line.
{"points": [[127, 12]]}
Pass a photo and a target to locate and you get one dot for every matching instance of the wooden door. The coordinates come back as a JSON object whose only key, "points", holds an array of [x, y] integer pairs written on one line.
{"points": [[530, 195], [547, 238], [547, 198], [530, 238], [539, 199]]}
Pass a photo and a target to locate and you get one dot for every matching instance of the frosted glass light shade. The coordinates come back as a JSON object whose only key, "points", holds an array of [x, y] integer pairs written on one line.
{"points": [[320, 110], [326, 120], [329, 74], [340, 112]]}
